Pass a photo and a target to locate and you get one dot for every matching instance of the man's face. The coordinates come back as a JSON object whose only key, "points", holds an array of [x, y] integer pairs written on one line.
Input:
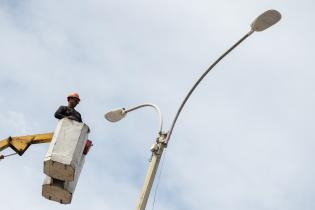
{"points": [[72, 102]]}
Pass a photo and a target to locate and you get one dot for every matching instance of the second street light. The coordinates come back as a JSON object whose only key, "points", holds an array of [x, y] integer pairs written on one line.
{"points": [[262, 22], [156, 149]]}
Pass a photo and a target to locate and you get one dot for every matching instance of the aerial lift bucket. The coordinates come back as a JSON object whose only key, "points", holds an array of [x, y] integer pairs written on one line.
{"points": [[65, 150], [64, 160]]}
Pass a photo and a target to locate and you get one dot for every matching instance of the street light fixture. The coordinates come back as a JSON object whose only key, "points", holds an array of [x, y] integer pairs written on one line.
{"points": [[261, 23], [265, 20], [115, 115], [118, 114]]}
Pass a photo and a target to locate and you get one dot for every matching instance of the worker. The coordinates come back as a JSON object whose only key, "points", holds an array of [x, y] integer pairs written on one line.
{"points": [[69, 111]]}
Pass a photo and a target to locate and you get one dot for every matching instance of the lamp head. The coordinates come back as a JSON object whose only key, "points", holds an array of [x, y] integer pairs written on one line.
{"points": [[115, 115], [265, 20]]}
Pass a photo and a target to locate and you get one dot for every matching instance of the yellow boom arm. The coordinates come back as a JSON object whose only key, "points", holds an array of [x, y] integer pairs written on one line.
{"points": [[21, 143]]}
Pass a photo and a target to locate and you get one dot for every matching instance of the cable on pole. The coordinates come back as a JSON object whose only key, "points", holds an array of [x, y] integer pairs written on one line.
{"points": [[3, 156], [158, 181]]}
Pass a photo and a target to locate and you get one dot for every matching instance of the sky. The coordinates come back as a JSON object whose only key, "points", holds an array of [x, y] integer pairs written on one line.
{"points": [[243, 141]]}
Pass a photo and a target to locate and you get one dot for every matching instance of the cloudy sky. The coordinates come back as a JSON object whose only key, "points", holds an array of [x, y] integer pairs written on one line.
{"points": [[244, 140]]}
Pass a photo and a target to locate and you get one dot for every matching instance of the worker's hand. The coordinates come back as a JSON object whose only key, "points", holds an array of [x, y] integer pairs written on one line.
{"points": [[71, 118]]}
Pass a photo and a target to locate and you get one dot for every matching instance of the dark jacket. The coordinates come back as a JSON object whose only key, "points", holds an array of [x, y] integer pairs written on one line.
{"points": [[64, 111]]}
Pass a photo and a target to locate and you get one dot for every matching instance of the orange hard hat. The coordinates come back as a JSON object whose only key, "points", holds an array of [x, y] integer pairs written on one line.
{"points": [[74, 95]]}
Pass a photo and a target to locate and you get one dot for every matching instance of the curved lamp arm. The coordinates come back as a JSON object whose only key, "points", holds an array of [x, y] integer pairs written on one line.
{"points": [[199, 80], [118, 114], [262, 22]]}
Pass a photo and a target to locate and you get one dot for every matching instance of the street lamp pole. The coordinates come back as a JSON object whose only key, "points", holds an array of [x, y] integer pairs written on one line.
{"points": [[262, 22], [156, 149]]}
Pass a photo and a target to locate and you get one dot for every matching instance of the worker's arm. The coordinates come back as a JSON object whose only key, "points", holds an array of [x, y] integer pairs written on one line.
{"points": [[76, 116], [20, 143], [60, 113]]}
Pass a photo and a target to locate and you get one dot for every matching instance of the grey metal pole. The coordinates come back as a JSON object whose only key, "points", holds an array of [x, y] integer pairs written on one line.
{"points": [[157, 151]]}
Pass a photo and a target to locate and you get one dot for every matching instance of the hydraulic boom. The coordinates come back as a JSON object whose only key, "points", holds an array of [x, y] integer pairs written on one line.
{"points": [[21, 143]]}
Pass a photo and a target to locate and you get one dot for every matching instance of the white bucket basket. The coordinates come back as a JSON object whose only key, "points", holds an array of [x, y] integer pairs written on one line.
{"points": [[65, 150], [64, 160]]}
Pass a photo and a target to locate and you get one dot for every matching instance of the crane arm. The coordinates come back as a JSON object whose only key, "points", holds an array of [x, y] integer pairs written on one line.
{"points": [[4, 144], [21, 143]]}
